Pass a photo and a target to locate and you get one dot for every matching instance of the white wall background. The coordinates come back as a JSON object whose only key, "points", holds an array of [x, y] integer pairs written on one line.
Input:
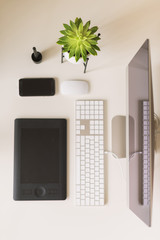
{"points": [[124, 26]]}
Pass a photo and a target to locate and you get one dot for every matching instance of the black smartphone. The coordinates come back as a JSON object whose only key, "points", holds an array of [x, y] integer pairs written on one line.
{"points": [[36, 87]]}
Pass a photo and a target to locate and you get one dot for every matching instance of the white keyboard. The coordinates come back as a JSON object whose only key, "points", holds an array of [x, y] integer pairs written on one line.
{"points": [[89, 153], [146, 154]]}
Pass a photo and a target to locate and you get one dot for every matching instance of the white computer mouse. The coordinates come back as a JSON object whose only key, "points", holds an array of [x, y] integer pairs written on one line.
{"points": [[73, 87]]}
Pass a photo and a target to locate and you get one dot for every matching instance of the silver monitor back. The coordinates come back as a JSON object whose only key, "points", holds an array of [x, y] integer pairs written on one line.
{"points": [[139, 88]]}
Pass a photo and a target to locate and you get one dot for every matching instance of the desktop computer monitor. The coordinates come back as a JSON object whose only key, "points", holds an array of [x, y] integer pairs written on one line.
{"points": [[140, 134]]}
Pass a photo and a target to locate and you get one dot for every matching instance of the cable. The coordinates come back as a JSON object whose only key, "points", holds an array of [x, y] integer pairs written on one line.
{"points": [[109, 152], [132, 155], [116, 157]]}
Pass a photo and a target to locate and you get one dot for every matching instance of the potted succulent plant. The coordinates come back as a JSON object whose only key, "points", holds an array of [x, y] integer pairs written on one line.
{"points": [[78, 41]]}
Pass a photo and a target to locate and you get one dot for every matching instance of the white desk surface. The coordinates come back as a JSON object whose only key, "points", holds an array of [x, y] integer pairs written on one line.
{"points": [[124, 26]]}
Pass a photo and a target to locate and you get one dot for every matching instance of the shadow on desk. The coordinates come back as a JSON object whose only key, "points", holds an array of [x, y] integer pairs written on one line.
{"points": [[50, 52]]}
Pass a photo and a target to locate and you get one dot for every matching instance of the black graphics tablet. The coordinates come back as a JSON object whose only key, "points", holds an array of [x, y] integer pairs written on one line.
{"points": [[40, 159]]}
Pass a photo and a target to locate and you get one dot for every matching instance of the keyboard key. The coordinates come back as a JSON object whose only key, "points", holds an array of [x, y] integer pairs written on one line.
{"points": [[101, 201], [77, 188]]}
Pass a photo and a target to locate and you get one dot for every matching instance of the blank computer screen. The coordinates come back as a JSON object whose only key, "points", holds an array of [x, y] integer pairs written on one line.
{"points": [[39, 155]]}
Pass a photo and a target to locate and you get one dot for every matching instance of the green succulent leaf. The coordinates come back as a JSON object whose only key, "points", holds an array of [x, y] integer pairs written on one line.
{"points": [[60, 42], [92, 51], [80, 27], [96, 38], [92, 42], [86, 44], [88, 33], [84, 57], [63, 32], [83, 50], [66, 49], [67, 27], [71, 53], [91, 36], [70, 33], [78, 21], [83, 53], [86, 26], [77, 53], [97, 48], [64, 39], [73, 26], [94, 29]]}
